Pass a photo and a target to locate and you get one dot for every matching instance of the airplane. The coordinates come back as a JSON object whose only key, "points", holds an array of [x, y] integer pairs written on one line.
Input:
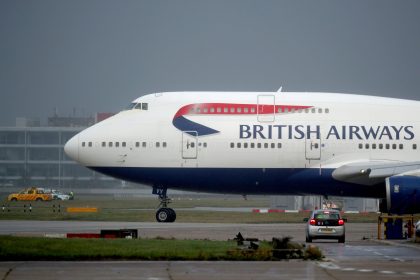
{"points": [[261, 143]]}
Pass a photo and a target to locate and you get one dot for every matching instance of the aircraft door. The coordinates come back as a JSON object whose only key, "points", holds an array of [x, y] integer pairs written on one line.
{"points": [[266, 108], [189, 144], [313, 149]]}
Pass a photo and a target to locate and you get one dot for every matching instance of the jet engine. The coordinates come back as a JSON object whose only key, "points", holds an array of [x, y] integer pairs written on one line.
{"points": [[402, 195]]}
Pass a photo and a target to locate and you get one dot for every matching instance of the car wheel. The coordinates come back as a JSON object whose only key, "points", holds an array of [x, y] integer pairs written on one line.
{"points": [[308, 239], [14, 199], [342, 239], [39, 199]]}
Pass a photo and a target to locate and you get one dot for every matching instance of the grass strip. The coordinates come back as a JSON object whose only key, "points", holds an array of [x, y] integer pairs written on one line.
{"points": [[14, 248], [37, 248]]}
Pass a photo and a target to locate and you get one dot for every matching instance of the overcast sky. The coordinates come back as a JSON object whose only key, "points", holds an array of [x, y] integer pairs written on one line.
{"points": [[97, 56]]}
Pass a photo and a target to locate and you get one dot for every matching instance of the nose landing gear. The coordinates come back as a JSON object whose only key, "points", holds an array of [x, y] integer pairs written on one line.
{"points": [[164, 214]]}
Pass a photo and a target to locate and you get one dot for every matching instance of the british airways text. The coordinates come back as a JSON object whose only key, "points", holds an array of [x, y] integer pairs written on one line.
{"points": [[334, 132]]}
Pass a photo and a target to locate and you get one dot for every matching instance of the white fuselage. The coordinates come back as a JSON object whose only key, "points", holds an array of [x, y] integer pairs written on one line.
{"points": [[287, 131]]}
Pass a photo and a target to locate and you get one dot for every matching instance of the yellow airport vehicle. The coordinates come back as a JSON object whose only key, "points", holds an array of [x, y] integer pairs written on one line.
{"points": [[30, 194]]}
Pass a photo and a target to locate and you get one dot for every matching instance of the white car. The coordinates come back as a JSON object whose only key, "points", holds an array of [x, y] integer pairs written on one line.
{"points": [[325, 224], [58, 195]]}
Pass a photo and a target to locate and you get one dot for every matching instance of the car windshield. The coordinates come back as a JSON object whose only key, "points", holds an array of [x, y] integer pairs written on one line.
{"points": [[327, 216]]}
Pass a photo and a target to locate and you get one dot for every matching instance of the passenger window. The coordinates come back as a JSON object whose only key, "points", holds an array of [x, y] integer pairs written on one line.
{"points": [[367, 146], [110, 144], [259, 145], [219, 110], [245, 145], [320, 110], [327, 111], [103, 144], [279, 145], [198, 110], [124, 144], [394, 146], [90, 144], [306, 110], [192, 144], [245, 110], [360, 146], [225, 110], [83, 144], [239, 110], [238, 145], [374, 146], [252, 145], [253, 110], [381, 146], [266, 145], [144, 106], [232, 110], [414, 146], [144, 144], [205, 110], [401, 146], [211, 110], [286, 110], [137, 144], [387, 146], [164, 144], [316, 145], [313, 111], [158, 145], [117, 144], [273, 145], [279, 110], [205, 145]]}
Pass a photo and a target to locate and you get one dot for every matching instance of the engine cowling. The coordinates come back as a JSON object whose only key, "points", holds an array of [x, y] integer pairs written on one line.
{"points": [[402, 195]]}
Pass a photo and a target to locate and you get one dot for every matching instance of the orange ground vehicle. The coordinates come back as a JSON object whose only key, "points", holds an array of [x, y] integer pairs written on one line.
{"points": [[31, 194]]}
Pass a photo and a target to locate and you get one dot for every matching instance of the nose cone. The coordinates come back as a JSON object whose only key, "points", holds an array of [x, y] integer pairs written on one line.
{"points": [[71, 148]]}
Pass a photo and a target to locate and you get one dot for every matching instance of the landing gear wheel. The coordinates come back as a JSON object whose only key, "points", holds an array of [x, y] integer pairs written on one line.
{"points": [[165, 215]]}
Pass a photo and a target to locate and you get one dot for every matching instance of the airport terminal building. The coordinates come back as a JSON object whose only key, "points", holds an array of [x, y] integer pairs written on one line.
{"points": [[31, 155]]}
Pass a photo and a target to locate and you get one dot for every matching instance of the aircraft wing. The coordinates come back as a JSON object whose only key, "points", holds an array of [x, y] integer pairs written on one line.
{"points": [[374, 172]]}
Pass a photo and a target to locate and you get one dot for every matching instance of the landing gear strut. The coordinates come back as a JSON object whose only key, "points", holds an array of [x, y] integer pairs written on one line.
{"points": [[164, 214]]}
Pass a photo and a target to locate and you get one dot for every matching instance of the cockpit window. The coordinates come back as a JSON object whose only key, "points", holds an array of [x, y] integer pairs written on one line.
{"points": [[131, 106], [138, 106]]}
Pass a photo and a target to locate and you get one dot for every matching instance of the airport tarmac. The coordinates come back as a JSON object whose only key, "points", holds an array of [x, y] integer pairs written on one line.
{"points": [[361, 256], [212, 231]]}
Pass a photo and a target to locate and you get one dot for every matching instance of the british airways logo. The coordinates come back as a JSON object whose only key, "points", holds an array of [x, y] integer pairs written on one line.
{"points": [[283, 131], [181, 122]]}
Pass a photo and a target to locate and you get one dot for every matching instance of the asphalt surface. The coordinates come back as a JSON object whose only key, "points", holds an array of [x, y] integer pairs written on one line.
{"points": [[212, 231], [361, 256]]}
